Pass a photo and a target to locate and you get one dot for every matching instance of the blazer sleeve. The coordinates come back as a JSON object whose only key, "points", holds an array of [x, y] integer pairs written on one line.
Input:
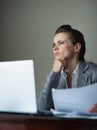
{"points": [[45, 101]]}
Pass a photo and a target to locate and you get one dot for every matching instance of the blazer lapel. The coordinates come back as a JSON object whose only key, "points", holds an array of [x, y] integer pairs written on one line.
{"points": [[83, 77], [62, 83]]}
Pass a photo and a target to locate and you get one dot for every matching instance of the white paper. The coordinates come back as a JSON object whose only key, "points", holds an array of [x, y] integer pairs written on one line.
{"points": [[78, 100], [72, 115]]}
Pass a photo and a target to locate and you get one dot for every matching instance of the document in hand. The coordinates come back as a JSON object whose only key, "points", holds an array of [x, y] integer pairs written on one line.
{"points": [[76, 99]]}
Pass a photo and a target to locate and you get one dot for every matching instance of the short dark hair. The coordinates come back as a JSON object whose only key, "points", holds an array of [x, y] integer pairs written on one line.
{"points": [[76, 36]]}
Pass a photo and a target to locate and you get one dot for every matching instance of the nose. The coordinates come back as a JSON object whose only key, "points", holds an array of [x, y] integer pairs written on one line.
{"points": [[55, 47]]}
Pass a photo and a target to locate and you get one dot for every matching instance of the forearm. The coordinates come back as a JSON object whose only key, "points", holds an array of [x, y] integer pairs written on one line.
{"points": [[45, 101]]}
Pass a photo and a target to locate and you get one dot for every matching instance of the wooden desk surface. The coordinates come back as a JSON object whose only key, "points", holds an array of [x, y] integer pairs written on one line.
{"points": [[21, 122]]}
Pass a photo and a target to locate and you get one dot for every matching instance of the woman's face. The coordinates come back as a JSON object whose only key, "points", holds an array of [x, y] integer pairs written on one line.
{"points": [[62, 46]]}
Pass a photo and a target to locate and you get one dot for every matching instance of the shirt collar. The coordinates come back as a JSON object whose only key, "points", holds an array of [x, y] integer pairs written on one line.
{"points": [[75, 70]]}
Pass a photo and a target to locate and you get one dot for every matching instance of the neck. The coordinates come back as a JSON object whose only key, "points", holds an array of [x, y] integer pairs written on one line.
{"points": [[70, 65]]}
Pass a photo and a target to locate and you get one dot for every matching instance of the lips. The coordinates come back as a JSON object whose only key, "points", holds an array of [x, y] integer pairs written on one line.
{"points": [[56, 53]]}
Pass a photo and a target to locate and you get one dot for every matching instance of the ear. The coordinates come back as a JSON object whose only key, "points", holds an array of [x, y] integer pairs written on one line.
{"points": [[77, 47]]}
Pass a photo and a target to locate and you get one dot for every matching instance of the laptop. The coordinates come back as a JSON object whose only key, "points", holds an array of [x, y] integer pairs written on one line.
{"points": [[17, 87]]}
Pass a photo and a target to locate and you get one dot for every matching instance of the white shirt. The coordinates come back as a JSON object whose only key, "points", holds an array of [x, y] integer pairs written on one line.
{"points": [[74, 76]]}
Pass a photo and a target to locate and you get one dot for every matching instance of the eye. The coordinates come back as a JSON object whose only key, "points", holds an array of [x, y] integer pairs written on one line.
{"points": [[61, 42], [53, 45]]}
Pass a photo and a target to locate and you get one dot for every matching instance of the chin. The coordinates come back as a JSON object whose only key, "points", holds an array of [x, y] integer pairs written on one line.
{"points": [[59, 58], [62, 57]]}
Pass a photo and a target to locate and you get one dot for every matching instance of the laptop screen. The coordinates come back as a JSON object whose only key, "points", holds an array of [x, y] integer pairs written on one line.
{"points": [[17, 87]]}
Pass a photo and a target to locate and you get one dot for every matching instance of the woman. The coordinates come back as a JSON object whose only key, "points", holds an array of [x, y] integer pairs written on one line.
{"points": [[69, 69]]}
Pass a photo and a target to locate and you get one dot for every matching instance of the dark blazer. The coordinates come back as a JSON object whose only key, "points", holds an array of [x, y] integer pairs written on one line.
{"points": [[87, 75]]}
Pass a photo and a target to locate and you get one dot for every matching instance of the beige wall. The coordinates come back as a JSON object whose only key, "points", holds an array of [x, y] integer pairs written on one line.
{"points": [[27, 28]]}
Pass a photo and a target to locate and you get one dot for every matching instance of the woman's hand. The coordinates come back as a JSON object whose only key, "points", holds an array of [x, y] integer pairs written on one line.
{"points": [[93, 109], [58, 65]]}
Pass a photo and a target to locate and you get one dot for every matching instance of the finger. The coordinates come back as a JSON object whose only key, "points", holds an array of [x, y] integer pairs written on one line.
{"points": [[93, 110], [95, 105]]}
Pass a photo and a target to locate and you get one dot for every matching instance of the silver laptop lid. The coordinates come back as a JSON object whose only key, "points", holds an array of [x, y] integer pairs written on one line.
{"points": [[17, 87]]}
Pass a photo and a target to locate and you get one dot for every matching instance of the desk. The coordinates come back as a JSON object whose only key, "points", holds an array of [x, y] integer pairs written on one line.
{"points": [[17, 122]]}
